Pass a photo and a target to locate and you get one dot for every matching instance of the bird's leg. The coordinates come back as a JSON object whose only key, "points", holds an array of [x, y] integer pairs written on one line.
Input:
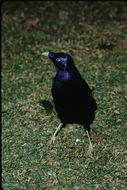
{"points": [[56, 132], [90, 145]]}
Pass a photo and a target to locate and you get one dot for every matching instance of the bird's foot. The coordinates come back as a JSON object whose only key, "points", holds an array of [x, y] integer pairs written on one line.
{"points": [[90, 150], [52, 140]]}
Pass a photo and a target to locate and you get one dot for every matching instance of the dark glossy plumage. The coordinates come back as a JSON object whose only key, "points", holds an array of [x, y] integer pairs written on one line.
{"points": [[72, 96]]}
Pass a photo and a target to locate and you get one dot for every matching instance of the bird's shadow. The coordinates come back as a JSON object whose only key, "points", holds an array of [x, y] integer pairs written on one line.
{"points": [[47, 105]]}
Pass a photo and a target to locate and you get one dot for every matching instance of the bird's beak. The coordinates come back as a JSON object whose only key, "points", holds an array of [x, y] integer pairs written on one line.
{"points": [[45, 54]]}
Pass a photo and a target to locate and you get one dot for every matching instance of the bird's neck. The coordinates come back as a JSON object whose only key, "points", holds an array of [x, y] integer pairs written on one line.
{"points": [[63, 76]]}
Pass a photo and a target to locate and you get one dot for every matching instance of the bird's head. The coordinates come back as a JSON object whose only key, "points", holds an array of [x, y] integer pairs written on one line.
{"points": [[63, 62]]}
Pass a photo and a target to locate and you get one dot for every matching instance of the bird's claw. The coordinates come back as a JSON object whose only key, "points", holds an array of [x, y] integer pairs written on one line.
{"points": [[90, 150], [52, 140]]}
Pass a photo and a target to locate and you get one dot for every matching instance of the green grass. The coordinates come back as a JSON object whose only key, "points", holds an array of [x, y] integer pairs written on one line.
{"points": [[86, 30]]}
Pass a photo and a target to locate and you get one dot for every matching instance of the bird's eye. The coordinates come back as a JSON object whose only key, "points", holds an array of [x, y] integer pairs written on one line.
{"points": [[58, 59]]}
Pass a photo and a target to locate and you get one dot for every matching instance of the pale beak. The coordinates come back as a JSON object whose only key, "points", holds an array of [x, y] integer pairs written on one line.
{"points": [[45, 54]]}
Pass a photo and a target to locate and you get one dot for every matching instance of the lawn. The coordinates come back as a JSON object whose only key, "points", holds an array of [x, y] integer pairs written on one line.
{"points": [[95, 34]]}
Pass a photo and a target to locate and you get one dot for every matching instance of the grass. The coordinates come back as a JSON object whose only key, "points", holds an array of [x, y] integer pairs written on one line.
{"points": [[94, 33]]}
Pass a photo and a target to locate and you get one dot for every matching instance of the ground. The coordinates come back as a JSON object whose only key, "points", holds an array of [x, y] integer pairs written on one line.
{"points": [[94, 33]]}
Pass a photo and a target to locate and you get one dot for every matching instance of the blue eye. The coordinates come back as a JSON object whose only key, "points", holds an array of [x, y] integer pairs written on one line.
{"points": [[58, 59]]}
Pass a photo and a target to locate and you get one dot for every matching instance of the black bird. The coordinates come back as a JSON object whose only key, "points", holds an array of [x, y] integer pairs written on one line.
{"points": [[72, 96]]}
